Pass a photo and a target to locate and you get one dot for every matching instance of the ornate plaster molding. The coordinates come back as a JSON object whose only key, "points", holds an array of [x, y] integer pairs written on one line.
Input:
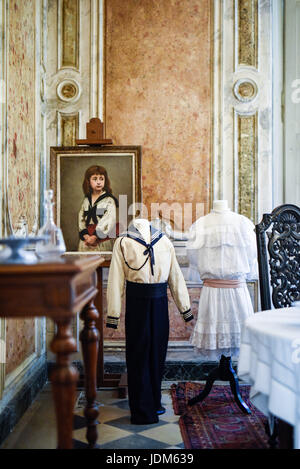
{"points": [[68, 90], [245, 90]]}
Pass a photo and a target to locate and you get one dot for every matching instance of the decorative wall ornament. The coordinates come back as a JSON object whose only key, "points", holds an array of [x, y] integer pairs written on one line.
{"points": [[242, 85], [245, 165], [68, 90], [245, 90], [246, 13]]}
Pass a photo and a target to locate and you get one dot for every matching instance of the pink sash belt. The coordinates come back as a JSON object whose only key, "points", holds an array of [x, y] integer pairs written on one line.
{"points": [[223, 283]]}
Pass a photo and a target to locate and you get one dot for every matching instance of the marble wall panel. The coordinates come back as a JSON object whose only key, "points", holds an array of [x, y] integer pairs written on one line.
{"points": [[21, 150], [247, 165], [247, 12], [21, 111], [242, 149], [158, 93], [67, 129], [69, 33], [20, 342]]}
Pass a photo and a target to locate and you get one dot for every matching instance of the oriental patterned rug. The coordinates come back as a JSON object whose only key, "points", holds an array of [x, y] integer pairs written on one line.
{"points": [[217, 422]]}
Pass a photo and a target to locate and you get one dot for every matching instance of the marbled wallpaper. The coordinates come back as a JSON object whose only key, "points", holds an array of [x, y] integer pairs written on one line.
{"points": [[158, 93], [20, 342], [21, 150], [21, 110]]}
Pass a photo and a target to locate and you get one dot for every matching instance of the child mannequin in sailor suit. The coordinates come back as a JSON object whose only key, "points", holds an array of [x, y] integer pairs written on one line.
{"points": [[145, 259]]}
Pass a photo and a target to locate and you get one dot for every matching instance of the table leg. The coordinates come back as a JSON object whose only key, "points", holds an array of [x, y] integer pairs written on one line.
{"points": [[89, 338], [64, 379]]}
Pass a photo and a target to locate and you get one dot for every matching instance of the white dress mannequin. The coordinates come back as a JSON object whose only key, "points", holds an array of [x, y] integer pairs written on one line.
{"points": [[222, 246], [220, 206]]}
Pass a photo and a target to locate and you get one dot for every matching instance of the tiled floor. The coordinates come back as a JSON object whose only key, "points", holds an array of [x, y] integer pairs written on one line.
{"points": [[37, 428]]}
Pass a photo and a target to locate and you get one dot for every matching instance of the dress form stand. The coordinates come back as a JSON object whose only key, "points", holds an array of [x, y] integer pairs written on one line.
{"points": [[224, 371]]}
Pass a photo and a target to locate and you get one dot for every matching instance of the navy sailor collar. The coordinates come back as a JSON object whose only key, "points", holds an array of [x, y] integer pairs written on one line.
{"points": [[136, 235], [91, 212], [102, 196]]}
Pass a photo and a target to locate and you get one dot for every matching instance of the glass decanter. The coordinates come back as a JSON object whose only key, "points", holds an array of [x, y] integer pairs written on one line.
{"points": [[54, 245], [21, 230]]}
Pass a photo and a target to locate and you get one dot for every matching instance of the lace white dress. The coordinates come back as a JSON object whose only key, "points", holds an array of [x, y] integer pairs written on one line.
{"points": [[222, 245]]}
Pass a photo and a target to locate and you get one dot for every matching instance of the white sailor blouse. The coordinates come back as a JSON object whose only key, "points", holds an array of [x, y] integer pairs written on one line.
{"points": [[97, 219], [135, 260]]}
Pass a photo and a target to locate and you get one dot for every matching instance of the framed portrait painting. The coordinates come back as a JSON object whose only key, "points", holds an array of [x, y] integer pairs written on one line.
{"points": [[96, 189]]}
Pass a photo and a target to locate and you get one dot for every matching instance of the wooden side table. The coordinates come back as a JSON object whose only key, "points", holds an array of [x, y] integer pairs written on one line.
{"points": [[59, 290]]}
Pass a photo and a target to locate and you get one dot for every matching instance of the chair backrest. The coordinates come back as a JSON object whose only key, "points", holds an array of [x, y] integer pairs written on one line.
{"points": [[279, 258]]}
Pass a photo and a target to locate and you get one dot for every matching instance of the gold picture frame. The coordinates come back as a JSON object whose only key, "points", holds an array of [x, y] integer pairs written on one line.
{"points": [[67, 168]]}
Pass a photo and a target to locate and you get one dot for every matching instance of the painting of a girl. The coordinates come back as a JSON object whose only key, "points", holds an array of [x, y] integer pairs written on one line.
{"points": [[98, 214]]}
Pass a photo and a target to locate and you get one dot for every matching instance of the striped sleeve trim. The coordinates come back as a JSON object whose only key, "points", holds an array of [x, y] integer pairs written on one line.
{"points": [[187, 315], [112, 322]]}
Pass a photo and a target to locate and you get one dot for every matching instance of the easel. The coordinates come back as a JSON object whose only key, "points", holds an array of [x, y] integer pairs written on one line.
{"points": [[94, 136]]}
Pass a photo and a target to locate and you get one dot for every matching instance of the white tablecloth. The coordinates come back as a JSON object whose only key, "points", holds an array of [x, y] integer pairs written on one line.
{"points": [[270, 361]]}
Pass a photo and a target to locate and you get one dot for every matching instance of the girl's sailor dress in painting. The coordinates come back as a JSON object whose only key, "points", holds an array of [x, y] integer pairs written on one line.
{"points": [[98, 219], [144, 259]]}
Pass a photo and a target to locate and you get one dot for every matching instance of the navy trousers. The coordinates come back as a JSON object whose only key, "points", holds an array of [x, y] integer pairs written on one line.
{"points": [[147, 334]]}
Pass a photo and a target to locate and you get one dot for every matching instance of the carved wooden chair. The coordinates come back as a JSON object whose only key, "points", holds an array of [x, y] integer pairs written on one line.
{"points": [[278, 250], [279, 258]]}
